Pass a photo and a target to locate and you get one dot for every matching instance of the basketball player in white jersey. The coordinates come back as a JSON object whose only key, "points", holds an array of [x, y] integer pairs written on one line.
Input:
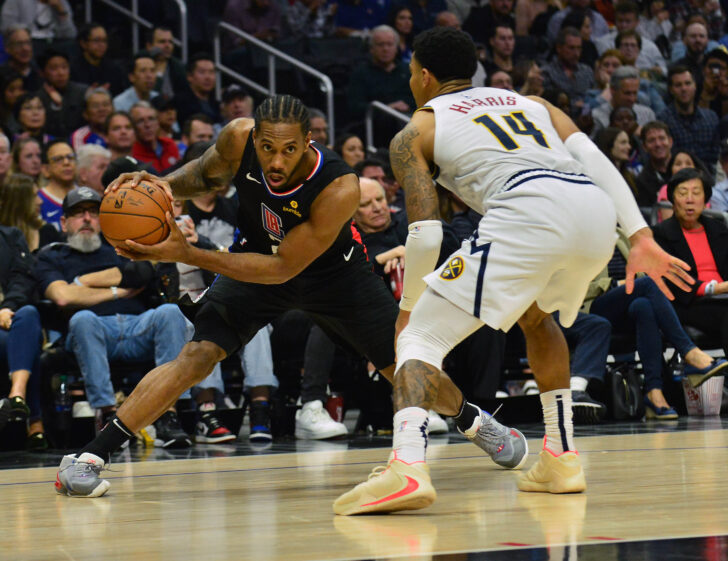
{"points": [[551, 202]]}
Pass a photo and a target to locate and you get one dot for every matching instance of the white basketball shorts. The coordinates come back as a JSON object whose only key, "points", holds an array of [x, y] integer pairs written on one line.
{"points": [[542, 241]]}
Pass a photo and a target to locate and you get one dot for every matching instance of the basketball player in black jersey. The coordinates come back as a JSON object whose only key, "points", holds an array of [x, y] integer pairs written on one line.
{"points": [[295, 248]]}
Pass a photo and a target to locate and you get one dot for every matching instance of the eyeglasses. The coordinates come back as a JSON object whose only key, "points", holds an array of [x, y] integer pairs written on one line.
{"points": [[80, 211], [61, 157]]}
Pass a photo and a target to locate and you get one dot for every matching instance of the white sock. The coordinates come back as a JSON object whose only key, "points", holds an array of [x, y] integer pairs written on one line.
{"points": [[557, 417], [578, 384], [410, 435]]}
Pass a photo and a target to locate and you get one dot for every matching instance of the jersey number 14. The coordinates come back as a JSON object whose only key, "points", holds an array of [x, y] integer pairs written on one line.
{"points": [[518, 123]]}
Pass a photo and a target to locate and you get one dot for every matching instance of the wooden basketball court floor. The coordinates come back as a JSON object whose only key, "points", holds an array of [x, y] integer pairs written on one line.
{"points": [[655, 491]]}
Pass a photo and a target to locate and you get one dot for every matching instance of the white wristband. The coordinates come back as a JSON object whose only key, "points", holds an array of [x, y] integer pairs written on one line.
{"points": [[77, 281], [710, 287], [115, 292]]}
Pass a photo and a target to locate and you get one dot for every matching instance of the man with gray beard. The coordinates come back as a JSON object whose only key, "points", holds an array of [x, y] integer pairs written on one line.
{"points": [[101, 294]]}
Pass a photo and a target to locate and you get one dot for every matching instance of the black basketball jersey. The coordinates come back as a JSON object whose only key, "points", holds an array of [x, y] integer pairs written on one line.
{"points": [[265, 216]]}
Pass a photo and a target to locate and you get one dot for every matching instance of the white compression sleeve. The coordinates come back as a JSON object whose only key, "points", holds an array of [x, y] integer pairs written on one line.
{"points": [[607, 177], [420, 257]]}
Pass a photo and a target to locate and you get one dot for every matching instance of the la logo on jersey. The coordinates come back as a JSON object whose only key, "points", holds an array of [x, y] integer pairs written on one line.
{"points": [[453, 269], [272, 223]]}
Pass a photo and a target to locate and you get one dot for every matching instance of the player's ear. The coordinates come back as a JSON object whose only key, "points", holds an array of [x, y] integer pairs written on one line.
{"points": [[308, 139]]}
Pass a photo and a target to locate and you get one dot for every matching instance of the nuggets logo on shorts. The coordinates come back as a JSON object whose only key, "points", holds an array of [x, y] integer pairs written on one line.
{"points": [[453, 269]]}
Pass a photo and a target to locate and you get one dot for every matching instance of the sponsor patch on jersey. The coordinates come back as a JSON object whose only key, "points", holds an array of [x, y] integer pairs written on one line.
{"points": [[272, 223], [453, 269]]}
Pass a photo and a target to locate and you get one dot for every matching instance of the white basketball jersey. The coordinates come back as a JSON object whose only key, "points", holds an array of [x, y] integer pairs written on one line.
{"points": [[485, 136]]}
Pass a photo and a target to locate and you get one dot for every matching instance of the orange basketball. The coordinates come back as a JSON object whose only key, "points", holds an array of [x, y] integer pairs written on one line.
{"points": [[136, 214]]}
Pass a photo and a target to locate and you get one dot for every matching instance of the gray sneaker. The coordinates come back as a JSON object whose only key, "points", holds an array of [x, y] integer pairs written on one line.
{"points": [[79, 477], [506, 446]]}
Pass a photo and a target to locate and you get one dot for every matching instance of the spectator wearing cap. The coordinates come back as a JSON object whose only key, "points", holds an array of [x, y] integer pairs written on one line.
{"points": [[171, 74], [714, 94], [102, 295], [64, 100], [91, 163], [657, 144], [19, 47], [693, 128], [46, 20], [166, 115], [92, 65], [160, 152], [98, 108], [200, 95], [236, 103], [627, 19], [142, 77], [624, 86], [198, 128], [59, 170], [719, 198], [119, 134]]}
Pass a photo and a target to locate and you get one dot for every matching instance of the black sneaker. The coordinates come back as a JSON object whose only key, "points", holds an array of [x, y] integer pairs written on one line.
{"points": [[36, 442], [13, 409], [170, 433], [260, 422], [587, 410], [211, 431]]}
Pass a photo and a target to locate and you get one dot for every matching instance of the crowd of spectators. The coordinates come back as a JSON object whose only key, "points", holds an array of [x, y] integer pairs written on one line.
{"points": [[648, 81]]}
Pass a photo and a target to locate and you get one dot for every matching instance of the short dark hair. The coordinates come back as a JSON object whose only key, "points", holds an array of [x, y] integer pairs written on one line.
{"points": [[192, 63], [447, 53], [283, 109], [48, 54], [50, 144], [26, 97], [139, 54], [627, 7], [187, 127], [575, 18], [654, 125], [369, 162], [675, 70], [84, 32], [628, 33], [565, 32], [124, 114], [149, 37], [494, 29], [686, 174]]}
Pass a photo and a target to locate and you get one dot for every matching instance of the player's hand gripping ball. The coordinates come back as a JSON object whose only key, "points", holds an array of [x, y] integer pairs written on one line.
{"points": [[135, 213]]}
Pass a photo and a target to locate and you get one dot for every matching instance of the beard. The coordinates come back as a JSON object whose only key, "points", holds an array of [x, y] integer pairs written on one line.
{"points": [[85, 243]]}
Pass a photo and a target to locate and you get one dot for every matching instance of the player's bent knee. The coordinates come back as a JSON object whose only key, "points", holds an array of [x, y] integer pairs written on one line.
{"points": [[415, 345], [198, 358], [534, 318]]}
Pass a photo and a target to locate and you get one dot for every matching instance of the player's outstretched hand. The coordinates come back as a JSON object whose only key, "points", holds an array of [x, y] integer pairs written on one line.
{"points": [[648, 257], [136, 178], [174, 249]]}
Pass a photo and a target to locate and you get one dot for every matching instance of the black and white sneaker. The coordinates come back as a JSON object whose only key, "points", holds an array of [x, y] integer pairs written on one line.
{"points": [[170, 433], [587, 410], [211, 431]]}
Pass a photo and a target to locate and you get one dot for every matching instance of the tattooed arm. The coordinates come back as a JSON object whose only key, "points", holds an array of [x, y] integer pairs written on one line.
{"points": [[215, 168], [409, 153]]}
